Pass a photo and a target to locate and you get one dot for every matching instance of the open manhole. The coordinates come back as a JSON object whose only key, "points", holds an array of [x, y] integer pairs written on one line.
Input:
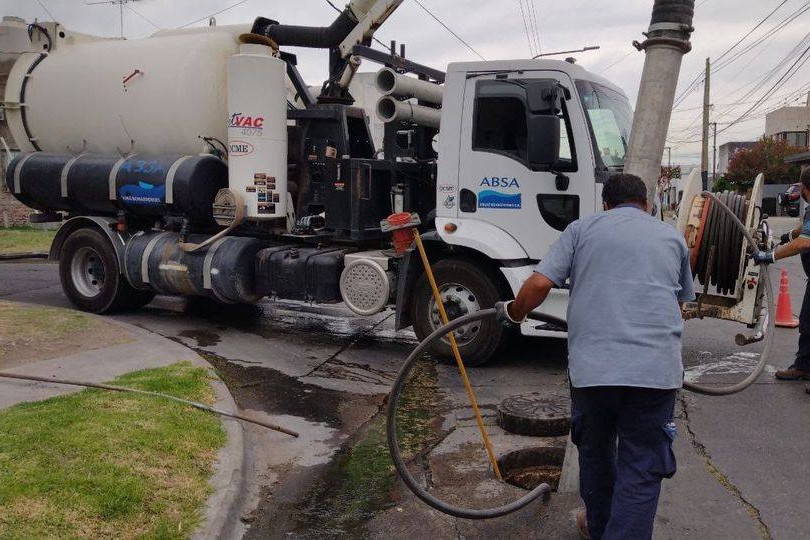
{"points": [[530, 467], [540, 415]]}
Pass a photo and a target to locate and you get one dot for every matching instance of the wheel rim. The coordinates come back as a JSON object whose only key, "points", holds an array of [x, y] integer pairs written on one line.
{"points": [[87, 272], [458, 300]]}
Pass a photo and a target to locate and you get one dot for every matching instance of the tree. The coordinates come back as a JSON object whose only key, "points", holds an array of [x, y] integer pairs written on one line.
{"points": [[766, 156], [670, 172]]}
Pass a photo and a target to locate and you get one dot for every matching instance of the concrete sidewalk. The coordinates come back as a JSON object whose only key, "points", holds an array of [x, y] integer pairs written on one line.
{"points": [[145, 350]]}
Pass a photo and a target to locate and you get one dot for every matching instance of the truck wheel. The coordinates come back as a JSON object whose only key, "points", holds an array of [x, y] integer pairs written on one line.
{"points": [[88, 270], [465, 288]]}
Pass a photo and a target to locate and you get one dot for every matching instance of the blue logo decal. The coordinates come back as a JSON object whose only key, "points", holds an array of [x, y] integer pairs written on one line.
{"points": [[500, 182], [493, 199], [142, 194]]}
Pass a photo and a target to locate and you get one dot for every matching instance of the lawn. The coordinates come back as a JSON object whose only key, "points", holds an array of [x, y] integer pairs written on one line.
{"points": [[25, 324], [103, 464], [25, 239]]}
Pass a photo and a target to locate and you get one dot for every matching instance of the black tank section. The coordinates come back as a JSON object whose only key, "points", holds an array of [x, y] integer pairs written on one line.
{"points": [[46, 193], [103, 185], [223, 270]]}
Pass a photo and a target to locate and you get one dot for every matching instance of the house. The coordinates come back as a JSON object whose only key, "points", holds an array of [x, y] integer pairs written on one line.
{"points": [[726, 152]]}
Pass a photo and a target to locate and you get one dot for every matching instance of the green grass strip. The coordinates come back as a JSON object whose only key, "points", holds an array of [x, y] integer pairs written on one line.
{"points": [[103, 464], [25, 239]]}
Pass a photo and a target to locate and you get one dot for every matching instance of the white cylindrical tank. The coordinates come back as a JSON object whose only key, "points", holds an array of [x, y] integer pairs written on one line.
{"points": [[257, 131], [156, 95]]}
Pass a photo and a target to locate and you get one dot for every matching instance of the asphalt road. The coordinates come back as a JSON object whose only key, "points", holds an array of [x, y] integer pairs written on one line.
{"points": [[742, 466]]}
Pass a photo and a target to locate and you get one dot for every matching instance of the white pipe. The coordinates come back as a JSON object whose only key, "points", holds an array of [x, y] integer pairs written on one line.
{"points": [[391, 83], [390, 109], [349, 71]]}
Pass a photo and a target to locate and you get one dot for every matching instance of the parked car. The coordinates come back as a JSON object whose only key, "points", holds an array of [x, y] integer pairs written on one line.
{"points": [[790, 200]]}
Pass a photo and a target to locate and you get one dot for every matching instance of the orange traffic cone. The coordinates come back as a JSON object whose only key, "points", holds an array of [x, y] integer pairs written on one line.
{"points": [[784, 311]]}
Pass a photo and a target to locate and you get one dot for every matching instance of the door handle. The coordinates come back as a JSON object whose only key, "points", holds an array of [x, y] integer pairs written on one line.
{"points": [[561, 182]]}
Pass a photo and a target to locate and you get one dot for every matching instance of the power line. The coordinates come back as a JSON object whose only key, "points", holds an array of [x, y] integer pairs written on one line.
{"points": [[223, 10], [43, 6], [784, 78], [616, 62], [696, 82], [142, 16], [760, 23], [534, 26], [526, 28], [745, 117], [418, 3]]}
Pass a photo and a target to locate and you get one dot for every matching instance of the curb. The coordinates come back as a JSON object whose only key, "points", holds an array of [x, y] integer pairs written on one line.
{"points": [[221, 518], [223, 509]]}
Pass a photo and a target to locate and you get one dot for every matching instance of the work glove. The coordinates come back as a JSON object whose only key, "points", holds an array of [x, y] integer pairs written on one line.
{"points": [[502, 315], [786, 238], [763, 257]]}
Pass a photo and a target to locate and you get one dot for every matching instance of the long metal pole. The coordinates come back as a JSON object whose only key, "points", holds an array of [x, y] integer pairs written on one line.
{"points": [[112, 388], [704, 151], [667, 41], [453, 345]]}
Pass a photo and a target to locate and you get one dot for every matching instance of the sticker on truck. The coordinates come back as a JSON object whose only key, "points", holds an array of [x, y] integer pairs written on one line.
{"points": [[494, 199]]}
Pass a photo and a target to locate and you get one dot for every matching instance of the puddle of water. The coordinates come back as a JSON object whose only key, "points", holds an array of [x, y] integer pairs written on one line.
{"points": [[738, 363], [357, 484], [268, 390], [204, 338]]}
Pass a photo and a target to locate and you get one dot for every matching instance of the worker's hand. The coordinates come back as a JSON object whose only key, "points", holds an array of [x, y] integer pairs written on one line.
{"points": [[502, 314], [786, 238], [763, 257]]}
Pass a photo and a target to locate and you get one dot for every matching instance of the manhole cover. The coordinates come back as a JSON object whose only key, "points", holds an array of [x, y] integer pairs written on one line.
{"points": [[530, 467], [543, 415]]}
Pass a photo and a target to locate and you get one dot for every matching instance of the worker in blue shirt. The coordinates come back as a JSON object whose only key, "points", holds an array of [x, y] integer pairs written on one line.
{"points": [[628, 273], [797, 242]]}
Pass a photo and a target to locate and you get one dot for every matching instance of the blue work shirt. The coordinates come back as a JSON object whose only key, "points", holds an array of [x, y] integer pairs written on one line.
{"points": [[627, 273], [805, 255]]}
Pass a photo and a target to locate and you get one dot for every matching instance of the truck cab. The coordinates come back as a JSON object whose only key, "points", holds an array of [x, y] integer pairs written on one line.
{"points": [[525, 146]]}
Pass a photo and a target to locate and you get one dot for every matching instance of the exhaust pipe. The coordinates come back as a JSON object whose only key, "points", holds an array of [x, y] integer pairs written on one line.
{"points": [[390, 109], [391, 83], [667, 41]]}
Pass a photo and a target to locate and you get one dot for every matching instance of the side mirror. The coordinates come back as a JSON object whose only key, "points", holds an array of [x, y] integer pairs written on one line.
{"points": [[543, 140], [543, 97]]}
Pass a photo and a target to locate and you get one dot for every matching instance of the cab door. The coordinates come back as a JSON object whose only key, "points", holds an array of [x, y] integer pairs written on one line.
{"points": [[498, 183]]}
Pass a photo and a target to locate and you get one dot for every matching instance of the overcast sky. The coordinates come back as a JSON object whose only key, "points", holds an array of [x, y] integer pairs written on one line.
{"points": [[495, 29]]}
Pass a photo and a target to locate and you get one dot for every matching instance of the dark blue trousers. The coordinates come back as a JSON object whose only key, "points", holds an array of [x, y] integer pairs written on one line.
{"points": [[624, 436], [803, 354]]}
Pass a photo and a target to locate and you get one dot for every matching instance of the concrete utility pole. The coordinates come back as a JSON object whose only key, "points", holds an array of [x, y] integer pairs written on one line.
{"points": [[667, 41], [704, 153], [669, 156], [714, 152]]}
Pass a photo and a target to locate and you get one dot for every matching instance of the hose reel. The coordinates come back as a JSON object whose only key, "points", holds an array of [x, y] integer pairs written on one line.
{"points": [[717, 253]]}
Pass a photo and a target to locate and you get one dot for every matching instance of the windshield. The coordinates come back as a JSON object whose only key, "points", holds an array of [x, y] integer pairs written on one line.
{"points": [[610, 118]]}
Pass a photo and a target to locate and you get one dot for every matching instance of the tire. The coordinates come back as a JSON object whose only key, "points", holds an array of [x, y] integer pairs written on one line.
{"points": [[91, 278], [478, 343]]}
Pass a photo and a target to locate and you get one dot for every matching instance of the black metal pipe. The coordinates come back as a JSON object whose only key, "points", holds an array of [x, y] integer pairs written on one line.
{"points": [[317, 37], [673, 11]]}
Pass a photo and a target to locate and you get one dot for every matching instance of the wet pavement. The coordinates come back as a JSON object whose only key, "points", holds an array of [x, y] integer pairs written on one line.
{"points": [[325, 373]]}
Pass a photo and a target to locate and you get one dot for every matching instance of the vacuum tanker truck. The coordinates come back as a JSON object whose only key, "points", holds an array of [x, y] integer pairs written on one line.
{"points": [[198, 162]]}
